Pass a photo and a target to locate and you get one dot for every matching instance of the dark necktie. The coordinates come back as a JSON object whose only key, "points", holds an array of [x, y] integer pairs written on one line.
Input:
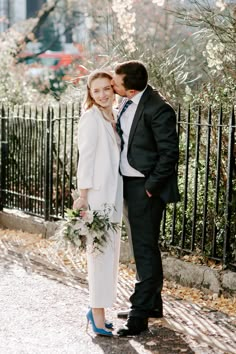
{"points": [[118, 125]]}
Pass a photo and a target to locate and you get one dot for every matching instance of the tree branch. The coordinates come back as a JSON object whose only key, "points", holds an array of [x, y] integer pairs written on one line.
{"points": [[41, 17]]}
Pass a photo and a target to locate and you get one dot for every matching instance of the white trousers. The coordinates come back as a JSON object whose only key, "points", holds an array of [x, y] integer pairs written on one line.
{"points": [[103, 273]]}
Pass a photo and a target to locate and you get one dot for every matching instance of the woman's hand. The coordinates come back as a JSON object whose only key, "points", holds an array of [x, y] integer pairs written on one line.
{"points": [[80, 203]]}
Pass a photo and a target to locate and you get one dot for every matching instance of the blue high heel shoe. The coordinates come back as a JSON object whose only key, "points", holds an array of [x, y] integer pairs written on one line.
{"points": [[100, 331], [108, 325]]}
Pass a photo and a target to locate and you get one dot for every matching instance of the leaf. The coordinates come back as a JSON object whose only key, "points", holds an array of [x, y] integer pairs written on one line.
{"points": [[151, 343]]}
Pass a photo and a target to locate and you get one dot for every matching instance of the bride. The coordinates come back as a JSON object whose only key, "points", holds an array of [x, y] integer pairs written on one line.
{"points": [[99, 182]]}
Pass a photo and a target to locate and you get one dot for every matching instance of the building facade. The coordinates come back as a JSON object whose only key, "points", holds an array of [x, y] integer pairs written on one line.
{"points": [[12, 11]]}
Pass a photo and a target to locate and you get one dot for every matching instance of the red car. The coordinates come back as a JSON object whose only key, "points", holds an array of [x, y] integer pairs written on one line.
{"points": [[42, 63]]}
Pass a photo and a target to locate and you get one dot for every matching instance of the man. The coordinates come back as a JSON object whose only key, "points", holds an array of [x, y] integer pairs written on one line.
{"points": [[149, 153]]}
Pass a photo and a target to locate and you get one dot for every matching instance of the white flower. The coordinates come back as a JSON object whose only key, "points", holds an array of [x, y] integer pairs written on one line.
{"points": [[83, 230], [159, 2], [126, 20], [88, 216], [87, 229], [188, 90], [188, 97], [219, 67], [215, 54], [221, 4]]}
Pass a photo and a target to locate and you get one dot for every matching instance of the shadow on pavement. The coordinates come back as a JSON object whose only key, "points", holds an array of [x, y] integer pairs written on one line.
{"points": [[158, 340]]}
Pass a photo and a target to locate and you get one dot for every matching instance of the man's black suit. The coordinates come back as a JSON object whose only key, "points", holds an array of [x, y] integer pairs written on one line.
{"points": [[152, 150]]}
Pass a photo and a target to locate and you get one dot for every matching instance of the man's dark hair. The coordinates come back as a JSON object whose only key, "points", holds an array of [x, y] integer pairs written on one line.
{"points": [[135, 75]]}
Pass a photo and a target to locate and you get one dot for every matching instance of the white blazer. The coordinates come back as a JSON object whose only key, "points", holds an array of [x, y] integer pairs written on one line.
{"points": [[98, 167]]}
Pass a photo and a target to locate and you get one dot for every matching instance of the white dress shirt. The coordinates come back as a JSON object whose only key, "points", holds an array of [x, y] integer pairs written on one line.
{"points": [[126, 123]]}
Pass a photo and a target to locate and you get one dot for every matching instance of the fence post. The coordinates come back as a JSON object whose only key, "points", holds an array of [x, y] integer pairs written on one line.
{"points": [[47, 168], [3, 158], [229, 185]]}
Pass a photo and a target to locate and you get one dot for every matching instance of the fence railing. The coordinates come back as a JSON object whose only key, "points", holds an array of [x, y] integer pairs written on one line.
{"points": [[38, 159], [38, 163]]}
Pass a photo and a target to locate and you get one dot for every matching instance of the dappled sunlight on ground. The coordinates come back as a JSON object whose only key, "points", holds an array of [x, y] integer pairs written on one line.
{"points": [[187, 311]]}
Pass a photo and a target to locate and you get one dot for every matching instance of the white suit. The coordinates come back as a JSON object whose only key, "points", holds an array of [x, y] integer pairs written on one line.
{"points": [[98, 171]]}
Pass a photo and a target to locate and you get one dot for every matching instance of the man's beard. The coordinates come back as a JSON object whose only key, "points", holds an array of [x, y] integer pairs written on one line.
{"points": [[121, 95]]}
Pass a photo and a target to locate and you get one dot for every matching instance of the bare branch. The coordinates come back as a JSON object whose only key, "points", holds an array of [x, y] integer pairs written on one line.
{"points": [[34, 25]]}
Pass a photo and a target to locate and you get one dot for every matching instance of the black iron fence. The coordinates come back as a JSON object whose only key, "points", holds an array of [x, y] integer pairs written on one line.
{"points": [[38, 162], [38, 159]]}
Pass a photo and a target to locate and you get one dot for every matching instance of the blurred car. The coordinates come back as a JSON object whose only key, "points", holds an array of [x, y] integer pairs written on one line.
{"points": [[43, 64]]}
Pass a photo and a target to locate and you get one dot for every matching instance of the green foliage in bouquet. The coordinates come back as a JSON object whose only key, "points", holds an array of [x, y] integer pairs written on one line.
{"points": [[87, 229]]}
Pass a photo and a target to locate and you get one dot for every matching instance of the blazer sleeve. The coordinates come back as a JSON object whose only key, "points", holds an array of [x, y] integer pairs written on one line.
{"points": [[87, 142], [165, 135]]}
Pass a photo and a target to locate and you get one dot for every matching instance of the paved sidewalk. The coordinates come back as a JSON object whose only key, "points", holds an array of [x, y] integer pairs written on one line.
{"points": [[43, 310]]}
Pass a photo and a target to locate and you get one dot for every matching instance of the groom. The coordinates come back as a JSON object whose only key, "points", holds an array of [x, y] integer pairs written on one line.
{"points": [[149, 143]]}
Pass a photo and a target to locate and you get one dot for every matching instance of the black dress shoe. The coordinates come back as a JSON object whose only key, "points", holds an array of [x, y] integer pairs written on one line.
{"points": [[133, 326], [123, 314], [152, 314]]}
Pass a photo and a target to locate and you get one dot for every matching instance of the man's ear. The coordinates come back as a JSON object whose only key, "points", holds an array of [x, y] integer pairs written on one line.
{"points": [[131, 93]]}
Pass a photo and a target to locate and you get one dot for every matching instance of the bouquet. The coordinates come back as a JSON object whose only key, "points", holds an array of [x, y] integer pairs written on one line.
{"points": [[87, 229]]}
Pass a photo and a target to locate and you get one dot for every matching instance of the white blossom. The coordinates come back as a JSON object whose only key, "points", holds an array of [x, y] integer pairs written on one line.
{"points": [[126, 20], [188, 94], [159, 2], [215, 54], [87, 229], [188, 90], [221, 4], [162, 2], [88, 216], [83, 230]]}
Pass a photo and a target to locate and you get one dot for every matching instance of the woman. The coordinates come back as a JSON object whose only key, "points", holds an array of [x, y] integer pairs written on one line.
{"points": [[99, 182]]}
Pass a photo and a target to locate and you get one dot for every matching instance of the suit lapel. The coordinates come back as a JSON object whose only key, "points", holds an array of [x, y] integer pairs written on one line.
{"points": [[138, 113]]}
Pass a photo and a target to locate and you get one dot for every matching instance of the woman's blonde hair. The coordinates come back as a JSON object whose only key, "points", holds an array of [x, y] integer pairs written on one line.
{"points": [[97, 74]]}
